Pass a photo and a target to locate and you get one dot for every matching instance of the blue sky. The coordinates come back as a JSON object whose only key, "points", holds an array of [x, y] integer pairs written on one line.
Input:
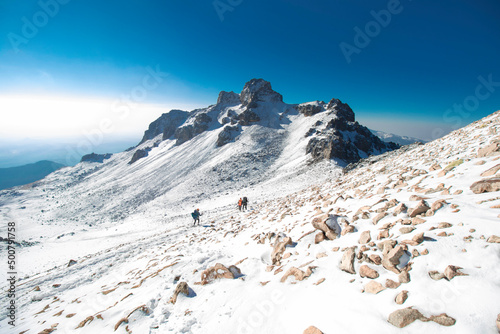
{"points": [[419, 67]]}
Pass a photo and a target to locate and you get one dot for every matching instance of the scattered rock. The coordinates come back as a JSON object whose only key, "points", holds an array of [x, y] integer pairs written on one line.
{"points": [[498, 322], [312, 330], [383, 234], [404, 276], [391, 259], [374, 287], [443, 319], [323, 225], [297, 273], [217, 272], [419, 209], [401, 297], [320, 236], [71, 262], [365, 271], [183, 288], [406, 229], [488, 150], [389, 283], [444, 225], [400, 208], [492, 171], [494, 239], [379, 217], [404, 317], [320, 255], [279, 249], [417, 221], [452, 271], [486, 185], [375, 259], [347, 262]]}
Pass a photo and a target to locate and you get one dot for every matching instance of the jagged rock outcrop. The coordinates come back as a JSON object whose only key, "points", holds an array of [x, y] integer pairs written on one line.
{"points": [[139, 154], [258, 90], [228, 98], [227, 134], [94, 157], [167, 124]]}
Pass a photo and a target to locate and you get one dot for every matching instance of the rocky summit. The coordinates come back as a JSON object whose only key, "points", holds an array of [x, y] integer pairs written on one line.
{"points": [[406, 241]]}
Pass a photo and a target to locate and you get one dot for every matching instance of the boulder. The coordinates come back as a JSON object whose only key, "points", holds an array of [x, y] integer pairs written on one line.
{"points": [[421, 207], [406, 229], [379, 217], [279, 249], [486, 185], [347, 262], [391, 259], [329, 226], [312, 330], [443, 319], [365, 271], [365, 237], [375, 258], [452, 271], [401, 297], [489, 150], [183, 288], [297, 273], [320, 236], [404, 317], [374, 287], [389, 283], [400, 208], [217, 272], [492, 171], [494, 239]]}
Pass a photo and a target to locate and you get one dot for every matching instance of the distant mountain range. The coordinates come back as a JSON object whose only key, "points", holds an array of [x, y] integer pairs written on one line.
{"points": [[400, 140], [15, 176]]}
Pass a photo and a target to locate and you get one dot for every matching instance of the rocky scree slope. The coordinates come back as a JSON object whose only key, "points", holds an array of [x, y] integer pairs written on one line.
{"points": [[407, 240]]}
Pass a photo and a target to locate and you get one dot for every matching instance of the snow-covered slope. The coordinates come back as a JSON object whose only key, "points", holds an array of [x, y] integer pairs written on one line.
{"points": [[127, 267]]}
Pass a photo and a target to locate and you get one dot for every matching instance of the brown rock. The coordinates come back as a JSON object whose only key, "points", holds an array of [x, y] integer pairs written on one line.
{"points": [[279, 249], [348, 229], [418, 238], [320, 224], [443, 319], [320, 236], [347, 262], [452, 271], [492, 171], [383, 234], [498, 322], [217, 272], [438, 205], [401, 297], [374, 287], [391, 259], [419, 209], [379, 217], [493, 239], [415, 253], [389, 283], [400, 208], [365, 271], [365, 237], [406, 229], [404, 317], [375, 258], [183, 288], [320, 255], [444, 225], [425, 252], [297, 273], [435, 275], [312, 330], [417, 221], [404, 277], [488, 150], [486, 185]]}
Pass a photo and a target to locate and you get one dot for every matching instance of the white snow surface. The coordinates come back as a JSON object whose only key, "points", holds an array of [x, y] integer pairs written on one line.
{"points": [[129, 230]]}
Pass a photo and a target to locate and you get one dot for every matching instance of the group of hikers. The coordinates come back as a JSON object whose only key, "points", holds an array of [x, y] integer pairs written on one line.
{"points": [[242, 206]]}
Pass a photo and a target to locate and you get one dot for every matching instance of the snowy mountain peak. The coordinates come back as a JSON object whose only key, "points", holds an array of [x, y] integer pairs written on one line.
{"points": [[258, 90], [228, 98]]}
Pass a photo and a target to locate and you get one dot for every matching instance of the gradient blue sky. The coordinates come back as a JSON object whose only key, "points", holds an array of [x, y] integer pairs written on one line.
{"points": [[406, 80]]}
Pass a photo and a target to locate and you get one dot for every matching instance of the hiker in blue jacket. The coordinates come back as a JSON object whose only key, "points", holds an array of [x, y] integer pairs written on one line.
{"points": [[196, 216]]}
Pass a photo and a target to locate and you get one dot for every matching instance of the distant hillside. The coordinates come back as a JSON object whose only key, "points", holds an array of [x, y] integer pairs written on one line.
{"points": [[400, 140], [15, 176]]}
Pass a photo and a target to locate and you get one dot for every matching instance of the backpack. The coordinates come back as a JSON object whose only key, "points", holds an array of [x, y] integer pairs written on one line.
{"points": [[194, 214], [245, 200]]}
